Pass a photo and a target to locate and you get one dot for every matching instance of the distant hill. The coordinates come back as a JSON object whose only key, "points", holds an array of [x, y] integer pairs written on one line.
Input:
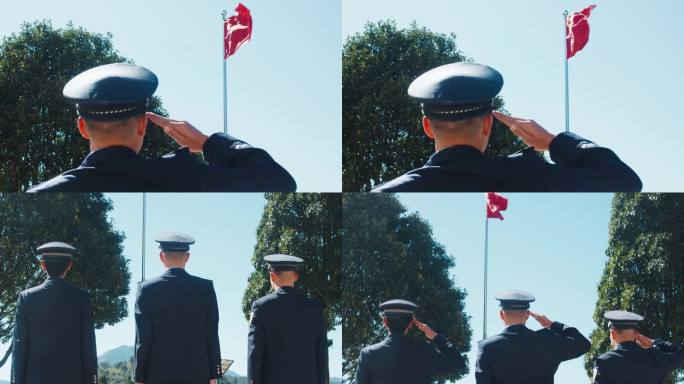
{"points": [[116, 355], [4, 382]]}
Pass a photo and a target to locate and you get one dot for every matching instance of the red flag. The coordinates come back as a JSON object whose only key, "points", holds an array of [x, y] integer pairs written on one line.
{"points": [[495, 205], [577, 30], [237, 30]]}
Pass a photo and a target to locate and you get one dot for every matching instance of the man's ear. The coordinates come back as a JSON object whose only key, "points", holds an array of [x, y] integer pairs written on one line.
{"points": [[161, 256], [501, 314], [142, 125], [427, 128], [487, 124], [82, 128], [42, 265], [68, 268], [384, 322]]}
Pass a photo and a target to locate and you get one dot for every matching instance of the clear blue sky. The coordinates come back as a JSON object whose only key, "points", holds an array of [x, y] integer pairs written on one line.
{"points": [[224, 227], [551, 245], [284, 87], [625, 85]]}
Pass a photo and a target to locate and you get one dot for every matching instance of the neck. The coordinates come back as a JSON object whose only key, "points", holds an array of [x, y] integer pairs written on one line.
{"points": [[448, 142], [106, 143], [514, 322], [277, 285], [172, 266]]}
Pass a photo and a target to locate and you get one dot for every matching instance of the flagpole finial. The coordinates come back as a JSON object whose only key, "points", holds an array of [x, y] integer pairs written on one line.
{"points": [[224, 14]]}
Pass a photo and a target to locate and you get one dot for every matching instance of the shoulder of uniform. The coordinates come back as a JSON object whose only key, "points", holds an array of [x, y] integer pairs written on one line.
{"points": [[60, 183]]}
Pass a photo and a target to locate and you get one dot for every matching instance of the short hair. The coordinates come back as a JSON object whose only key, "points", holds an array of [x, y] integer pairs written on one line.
{"points": [[398, 323], [174, 254], [119, 128], [56, 267], [466, 128]]}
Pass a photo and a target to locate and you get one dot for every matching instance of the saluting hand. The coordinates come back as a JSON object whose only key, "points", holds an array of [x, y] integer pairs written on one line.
{"points": [[644, 341], [543, 320], [181, 131], [429, 333], [529, 131]]}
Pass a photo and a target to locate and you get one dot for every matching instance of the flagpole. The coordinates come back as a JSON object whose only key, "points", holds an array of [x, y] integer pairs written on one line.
{"points": [[144, 222], [224, 16], [567, 86], [484, 303]]}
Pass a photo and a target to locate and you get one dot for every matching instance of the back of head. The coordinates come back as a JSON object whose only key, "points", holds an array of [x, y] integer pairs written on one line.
{"points": [[56, 267], [464, 129], [110, 130], [398, 323]]}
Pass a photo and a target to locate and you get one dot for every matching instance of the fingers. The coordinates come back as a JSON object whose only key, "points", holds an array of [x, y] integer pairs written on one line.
{"points": [[508, 120], [159, 120]]}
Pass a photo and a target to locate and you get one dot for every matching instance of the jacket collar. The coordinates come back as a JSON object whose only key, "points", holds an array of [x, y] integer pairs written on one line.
{"points": [[108, 153], [286, 289], [515, 328], [627, 345], [176, 272], [456, 152]]}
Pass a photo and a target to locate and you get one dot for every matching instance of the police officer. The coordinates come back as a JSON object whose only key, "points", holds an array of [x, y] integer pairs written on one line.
{"points": [[112, 101], [457, 101], [287, 342], [54, 335], [635, 358], [400, 360], [520, 355], [176, 319]]}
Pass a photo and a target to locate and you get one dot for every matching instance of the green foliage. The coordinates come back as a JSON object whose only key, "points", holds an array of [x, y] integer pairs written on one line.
{"points": [[78, 219], [382, 132], [645, 268], [40, 139], [306, 225], [389, 254], [119, 373]]}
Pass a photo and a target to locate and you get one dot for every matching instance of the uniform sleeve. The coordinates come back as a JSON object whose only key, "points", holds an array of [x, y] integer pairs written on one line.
{"points": [[212, 335], [571, 343], [670, 356], [599, 377], [362, 371], [322, 351], [143, 338], [255, 347], [88, 343], [20, 344], [444, 358], [243, 168], [483, 372], [581, 165]]}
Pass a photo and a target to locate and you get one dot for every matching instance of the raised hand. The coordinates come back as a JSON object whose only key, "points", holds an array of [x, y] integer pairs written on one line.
{"points": [[181, 131], [429, 333], [529, 131], [543, 320], [644, 341]]}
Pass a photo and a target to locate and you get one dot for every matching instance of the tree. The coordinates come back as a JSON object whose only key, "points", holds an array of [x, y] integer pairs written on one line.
{"points": [[305, 225], [389, 254], [78, 219], [645, 269], [382, 132], [40, 139]]}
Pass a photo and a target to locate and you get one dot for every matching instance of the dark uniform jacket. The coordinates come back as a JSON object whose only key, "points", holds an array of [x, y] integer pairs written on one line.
{"points": [[400, 360], [287, 341], [176, 318], [628, 363], [54, 336], [580, 165], [521, 356], [231, 166]]}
